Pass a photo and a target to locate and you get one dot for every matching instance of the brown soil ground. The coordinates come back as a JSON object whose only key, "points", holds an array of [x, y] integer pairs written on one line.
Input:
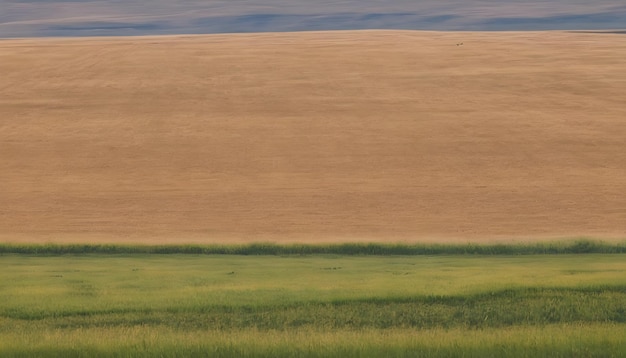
{"points": [[313, 137]]}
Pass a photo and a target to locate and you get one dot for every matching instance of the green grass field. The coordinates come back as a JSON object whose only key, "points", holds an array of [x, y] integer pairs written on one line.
{"points": [[176, 305]]}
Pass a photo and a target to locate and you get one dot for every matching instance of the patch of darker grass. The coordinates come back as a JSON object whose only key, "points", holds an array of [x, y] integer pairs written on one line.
{"points": [[578, 246]]}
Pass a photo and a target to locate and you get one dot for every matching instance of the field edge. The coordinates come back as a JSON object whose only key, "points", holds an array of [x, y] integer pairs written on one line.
{"points": [[574, 246]]}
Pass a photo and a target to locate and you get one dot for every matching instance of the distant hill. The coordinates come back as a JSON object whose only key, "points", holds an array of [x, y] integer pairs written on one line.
{"points": [[35, 18], [330, 136]]}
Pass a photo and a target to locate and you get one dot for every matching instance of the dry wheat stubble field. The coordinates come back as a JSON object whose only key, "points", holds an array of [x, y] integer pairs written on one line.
{"points": [[313, 137]]}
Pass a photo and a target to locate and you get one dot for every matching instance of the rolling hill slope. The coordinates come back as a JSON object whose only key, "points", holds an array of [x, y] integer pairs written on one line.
{"points": [[313, 137]]}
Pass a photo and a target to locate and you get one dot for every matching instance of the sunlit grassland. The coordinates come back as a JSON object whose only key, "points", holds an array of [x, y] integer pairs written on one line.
{"points": [[590, 340], [317, 305]]}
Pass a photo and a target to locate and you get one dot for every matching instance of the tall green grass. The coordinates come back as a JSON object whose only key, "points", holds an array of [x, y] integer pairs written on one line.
{"points": [[526, 306], [144, 305], [569, 340], [578, 246]]}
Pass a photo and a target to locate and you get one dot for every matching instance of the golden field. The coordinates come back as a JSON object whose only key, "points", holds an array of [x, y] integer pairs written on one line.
{"points": [[386, 136]]}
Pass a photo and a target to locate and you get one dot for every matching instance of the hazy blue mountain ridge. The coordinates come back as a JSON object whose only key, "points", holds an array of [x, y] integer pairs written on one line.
{"points": [[28, 18]]}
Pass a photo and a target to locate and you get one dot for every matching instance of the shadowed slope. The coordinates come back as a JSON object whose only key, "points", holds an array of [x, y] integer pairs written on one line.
{"points": [[371, 136]]}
